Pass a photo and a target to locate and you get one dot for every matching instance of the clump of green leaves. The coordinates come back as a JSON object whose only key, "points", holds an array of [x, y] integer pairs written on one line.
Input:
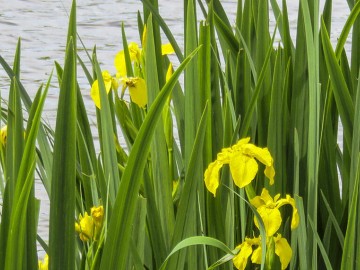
{"points": [[157, 212]]}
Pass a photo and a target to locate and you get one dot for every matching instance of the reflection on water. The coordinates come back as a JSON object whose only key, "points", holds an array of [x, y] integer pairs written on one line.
{"points": [[42, 26]]}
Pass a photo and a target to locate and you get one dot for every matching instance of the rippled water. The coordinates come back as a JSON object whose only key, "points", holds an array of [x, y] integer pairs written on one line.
{"points": [[42, 26]]}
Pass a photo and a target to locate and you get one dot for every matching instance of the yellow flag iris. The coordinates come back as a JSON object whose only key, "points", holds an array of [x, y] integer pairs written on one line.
{"points": [[282, 250], [119, 61], [137, 90], [136, 55], [243, 165], [85, 227], [245, 250], [268, 209], [89, 227]]}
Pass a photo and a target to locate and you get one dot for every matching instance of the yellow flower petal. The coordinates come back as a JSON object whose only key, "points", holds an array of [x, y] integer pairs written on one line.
{"points": [[270, 173], [256, 256], [137, 90], [263, 155], [243, 169], [167, 49], [95, 91], [134, 52], [240, 260], [211, 176], [97, 214], [44, 264], [3, 135], [85, 227], [241, 143], [283, 250], [295, 215], [271, 218], [225, 155], [120, 64]]}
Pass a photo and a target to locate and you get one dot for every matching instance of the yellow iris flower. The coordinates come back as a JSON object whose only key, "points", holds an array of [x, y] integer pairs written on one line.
{"points": [[3, 135], [135, 54], [119, 61], [85, 227], [135, 57], [137, 90], [109, 82], [268, 209], [44, 264], [243, 166], [245, 250], [282, 250], [89, 227]]}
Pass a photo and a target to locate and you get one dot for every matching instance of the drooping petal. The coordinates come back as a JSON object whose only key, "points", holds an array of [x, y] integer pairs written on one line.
{"points": [[295, 215], [240, 260], [261, 154], [167, 49], [120, 64], [243, 169], [256, 256], [211, 176], [137, 90], [283, 250], [85, 227], [95, 91], [271, 218], [270, 173]]}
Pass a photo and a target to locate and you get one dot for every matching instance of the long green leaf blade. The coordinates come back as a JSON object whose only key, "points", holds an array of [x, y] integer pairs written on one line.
{"points": [[62, 201]]}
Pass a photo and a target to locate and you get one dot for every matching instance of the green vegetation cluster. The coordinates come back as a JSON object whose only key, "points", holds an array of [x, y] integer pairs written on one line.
{"points": [[166, 203]]}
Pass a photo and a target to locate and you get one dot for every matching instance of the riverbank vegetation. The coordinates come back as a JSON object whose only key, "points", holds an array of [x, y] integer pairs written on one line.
{"points": [[239, 165]]}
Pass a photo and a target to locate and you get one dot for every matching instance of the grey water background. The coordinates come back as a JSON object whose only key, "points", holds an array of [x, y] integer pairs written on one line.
{"points": [[42, 26]]}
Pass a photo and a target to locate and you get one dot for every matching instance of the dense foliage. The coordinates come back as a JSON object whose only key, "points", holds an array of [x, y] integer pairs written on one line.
{"points": [[239, 165]]}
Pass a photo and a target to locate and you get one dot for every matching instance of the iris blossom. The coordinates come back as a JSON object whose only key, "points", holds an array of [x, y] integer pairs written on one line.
{"points": [[137, 90], [136, 85], [268, 209], [89, 227], [243, 165], [109, 82], [85, 227], [136, 54], [282, 250], [119, 61]]}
